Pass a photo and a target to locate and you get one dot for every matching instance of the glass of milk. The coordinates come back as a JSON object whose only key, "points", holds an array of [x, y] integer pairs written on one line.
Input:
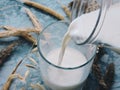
{"points": [[75, 67]]}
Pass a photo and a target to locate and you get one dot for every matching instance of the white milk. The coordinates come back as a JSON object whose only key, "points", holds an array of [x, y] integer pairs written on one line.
{"points": [[59, 79], [110, 32], [65, 42]]}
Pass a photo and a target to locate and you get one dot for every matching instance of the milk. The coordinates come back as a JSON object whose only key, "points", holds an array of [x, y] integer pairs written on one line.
{"points": [[61, 79], [82, 26], [65, 41]]}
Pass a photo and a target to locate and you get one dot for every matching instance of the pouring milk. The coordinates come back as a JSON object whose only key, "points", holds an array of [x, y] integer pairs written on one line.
{"points": [[78, 30], [81, 27]]}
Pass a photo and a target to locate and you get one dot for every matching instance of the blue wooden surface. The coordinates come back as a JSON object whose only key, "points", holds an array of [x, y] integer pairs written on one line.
{"points": [[12, 13]]}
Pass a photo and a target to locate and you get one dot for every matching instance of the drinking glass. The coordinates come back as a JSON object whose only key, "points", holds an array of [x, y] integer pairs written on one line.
{"points": [[57, 77]]}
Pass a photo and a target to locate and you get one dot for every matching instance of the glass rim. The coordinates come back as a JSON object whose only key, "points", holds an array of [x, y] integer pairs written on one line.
{"points": [[60, 67]]}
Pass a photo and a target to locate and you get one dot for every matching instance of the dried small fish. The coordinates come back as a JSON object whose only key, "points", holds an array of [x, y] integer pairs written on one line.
{"points": [[67, 11], [4, 53], [30, 66], [88, 6], [44, 8], [70, 5], [26, 74], [9, 80], [97, 70], [12, 76], [105, 81], [109, 75], [108, 78], [25, 35], [34, 49], [16, 32], [37, 86], [33, 60], [65, 8], [92, 6], [34, 20], [14, 70], [98, 74]]}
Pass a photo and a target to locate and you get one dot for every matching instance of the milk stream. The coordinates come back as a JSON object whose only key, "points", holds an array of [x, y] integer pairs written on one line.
{"points": [[65, 42]]}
